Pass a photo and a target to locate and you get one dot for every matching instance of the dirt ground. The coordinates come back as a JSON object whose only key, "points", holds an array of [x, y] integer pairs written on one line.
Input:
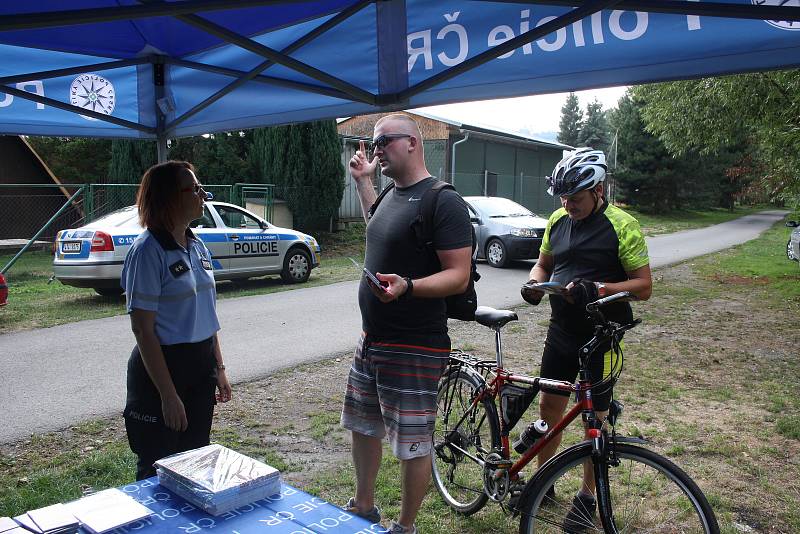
{"points": [[706, 380]]}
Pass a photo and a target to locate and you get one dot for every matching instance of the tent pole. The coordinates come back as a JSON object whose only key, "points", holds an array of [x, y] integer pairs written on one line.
{"points": [[163, 106], [161, 147]]}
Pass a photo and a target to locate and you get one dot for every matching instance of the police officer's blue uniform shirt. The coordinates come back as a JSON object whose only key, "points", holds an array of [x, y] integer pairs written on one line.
{"points": [[178, 284]]}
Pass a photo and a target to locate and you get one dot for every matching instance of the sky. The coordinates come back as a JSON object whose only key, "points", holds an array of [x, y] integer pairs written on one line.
{"points": [[531, 115]]}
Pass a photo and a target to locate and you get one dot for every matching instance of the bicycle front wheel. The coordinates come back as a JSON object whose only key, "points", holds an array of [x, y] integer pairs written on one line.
{"points": [[648, 494], [464, 436]]}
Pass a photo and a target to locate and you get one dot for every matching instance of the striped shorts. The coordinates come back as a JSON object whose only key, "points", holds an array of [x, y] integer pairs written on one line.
{"points": [[391, 391]]}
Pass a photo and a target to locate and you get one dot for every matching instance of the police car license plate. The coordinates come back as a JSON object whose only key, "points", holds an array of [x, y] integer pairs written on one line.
{"points": [[71, 246]]}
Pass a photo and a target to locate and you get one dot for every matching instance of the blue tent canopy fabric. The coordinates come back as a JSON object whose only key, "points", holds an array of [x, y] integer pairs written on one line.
{"points": [[122, 68]]}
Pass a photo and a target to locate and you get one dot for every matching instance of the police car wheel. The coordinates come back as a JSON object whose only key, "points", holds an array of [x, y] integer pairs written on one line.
{"points": [[296, 266], [109, 291]]}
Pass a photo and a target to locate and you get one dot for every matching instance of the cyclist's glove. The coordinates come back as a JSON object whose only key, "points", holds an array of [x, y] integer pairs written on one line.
{"points": [[531, 296], [583, 292]]}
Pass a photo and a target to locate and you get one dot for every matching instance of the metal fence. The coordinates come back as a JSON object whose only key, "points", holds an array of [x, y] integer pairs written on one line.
{"points": [[37, 212]]}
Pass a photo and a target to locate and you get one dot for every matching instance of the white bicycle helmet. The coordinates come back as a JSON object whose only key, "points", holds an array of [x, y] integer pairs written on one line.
{"points": [[583, 168]]}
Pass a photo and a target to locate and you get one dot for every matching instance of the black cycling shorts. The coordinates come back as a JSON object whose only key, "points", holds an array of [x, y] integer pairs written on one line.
{"points": [[560, 362]]}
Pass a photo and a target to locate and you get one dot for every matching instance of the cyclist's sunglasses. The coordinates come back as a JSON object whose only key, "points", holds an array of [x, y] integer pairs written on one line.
{"points": [[383, 140]]}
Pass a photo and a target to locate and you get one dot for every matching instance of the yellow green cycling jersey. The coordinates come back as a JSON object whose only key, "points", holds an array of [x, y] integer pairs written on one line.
{"points": [[603, 247]]}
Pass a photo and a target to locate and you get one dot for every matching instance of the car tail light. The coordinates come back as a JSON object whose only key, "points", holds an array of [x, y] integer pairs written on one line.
{"points": [[101, 242]]}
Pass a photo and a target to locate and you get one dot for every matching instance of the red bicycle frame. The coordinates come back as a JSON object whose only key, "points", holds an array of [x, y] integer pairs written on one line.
{"points": [[584, 405]]}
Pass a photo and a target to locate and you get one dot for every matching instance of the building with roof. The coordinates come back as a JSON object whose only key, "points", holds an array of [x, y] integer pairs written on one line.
{"points": [[476, 159]]}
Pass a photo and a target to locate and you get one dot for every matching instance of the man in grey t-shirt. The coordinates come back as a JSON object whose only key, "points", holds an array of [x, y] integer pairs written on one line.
{"points": [[404, 347]]}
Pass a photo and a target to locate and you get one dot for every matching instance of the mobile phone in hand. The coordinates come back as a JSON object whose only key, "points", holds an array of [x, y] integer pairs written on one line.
{"points": [[375, 282]]}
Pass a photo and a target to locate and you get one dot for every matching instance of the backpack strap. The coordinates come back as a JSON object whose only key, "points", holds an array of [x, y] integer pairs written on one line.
{"points": [[385, 192], [423, 222]]}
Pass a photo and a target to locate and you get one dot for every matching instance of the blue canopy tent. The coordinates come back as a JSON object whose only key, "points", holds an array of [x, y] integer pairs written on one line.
{"points": [[161, 69]]}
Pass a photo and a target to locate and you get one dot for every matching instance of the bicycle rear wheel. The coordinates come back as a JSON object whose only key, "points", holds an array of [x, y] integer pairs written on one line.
{"points": [[464, 435], [648, 494]]}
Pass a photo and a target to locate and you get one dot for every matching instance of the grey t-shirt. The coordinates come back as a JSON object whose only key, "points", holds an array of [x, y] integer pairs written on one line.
{"points": [[392, 248]]}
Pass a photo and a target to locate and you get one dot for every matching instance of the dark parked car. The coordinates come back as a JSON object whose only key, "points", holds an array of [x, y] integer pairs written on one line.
{"points": [[506, 231]]}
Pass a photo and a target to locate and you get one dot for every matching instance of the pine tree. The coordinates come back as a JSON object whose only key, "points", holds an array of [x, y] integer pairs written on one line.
{"points": [[304, 162], [129, 160], [326, 171], [571, 121], [595, 129], [645, 172]]}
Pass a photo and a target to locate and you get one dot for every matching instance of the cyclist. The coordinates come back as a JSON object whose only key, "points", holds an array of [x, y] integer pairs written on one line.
{"points": [[595, 249]]}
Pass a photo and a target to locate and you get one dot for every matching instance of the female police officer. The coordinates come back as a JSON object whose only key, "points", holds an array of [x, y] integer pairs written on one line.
{"points": [[171, 298]]}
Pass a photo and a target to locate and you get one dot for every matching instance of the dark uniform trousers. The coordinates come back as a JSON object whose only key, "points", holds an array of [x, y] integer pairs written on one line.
{"points": [[193, 369]]}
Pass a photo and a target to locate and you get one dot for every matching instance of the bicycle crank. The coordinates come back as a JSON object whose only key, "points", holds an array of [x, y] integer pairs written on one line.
{"points": [[496, 481]]}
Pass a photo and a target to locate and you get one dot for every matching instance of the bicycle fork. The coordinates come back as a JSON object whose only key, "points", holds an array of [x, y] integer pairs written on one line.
{"points": [[603, 456]]}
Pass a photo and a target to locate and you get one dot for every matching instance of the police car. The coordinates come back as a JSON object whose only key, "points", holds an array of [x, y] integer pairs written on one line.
{"points": [[242, 245]]}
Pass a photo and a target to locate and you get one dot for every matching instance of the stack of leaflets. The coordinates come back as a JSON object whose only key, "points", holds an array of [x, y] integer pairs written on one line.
{"points": [[217, 479], [9, 526], [107, 510], [54, 519]]}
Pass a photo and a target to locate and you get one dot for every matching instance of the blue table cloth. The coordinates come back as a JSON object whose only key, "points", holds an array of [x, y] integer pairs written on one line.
{"points": [[291, 512]]}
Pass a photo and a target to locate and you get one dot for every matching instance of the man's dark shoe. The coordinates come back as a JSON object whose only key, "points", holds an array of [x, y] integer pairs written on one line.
{"points": [[373, 516], [581, 515]]}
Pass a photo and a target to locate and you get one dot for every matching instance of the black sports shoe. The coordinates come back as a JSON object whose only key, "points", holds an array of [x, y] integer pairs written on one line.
{"points": [[581, 515]]}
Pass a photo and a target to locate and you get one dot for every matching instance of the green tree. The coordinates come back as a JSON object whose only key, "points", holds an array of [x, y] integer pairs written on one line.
{"points": [[325, 173], [645, 173], [760, 112], [74, 160], [220, 159], [569, 127], [304, 162], [595, 130], [129, 160], [652, 179], [267, 154]]}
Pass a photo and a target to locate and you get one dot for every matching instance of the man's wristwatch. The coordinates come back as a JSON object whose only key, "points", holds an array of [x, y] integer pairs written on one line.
{"points": [[601, 289], [409, 288]]}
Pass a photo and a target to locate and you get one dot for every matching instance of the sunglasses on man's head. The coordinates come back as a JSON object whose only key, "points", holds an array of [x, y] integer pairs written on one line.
{"points": [[382, 140]]}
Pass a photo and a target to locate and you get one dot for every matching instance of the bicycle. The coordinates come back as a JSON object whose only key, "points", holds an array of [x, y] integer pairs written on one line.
{"points": [[636, 488]]}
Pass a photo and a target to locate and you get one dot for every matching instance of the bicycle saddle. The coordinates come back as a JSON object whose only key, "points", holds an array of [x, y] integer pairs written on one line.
{"points": [[494, 318]]}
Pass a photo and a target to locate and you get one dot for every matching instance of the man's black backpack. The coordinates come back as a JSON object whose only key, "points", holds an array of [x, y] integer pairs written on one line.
{"points": [[463, 305]]}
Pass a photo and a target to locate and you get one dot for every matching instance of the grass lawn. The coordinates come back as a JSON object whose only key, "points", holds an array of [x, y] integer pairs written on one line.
{"points": [[676, 221]]}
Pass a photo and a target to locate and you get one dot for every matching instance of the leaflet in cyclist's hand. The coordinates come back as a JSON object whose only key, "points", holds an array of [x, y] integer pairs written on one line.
{"points": [[551, 288]]}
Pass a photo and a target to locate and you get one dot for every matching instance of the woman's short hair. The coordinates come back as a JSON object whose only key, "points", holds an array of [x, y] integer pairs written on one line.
{"points": [[159, 194]]}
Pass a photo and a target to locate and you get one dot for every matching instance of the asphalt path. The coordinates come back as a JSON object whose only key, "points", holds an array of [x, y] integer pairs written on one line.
{"points": [[60, 376]]}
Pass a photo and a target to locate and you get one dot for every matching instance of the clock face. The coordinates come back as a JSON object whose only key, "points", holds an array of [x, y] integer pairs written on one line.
{"points": [[782, 24], [92, 92]]}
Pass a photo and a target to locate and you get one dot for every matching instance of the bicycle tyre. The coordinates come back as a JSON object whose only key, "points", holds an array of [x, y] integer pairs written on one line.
{"points": [[458, 478], [649, 493]]}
